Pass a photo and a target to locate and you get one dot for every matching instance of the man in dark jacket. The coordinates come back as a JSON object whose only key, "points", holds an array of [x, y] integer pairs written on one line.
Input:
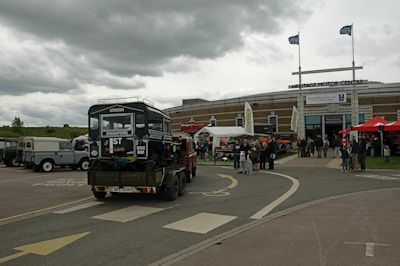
{"points": [[354, 153], [273, 150], [363, 152], [236, 154], [319, 145]]}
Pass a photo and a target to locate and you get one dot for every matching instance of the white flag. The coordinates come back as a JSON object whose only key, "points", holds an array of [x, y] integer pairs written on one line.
{"points": [[248, 119], [293, 123]]}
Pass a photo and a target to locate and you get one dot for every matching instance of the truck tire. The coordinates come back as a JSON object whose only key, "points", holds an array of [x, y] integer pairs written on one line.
{"points": [[172, 192], [99, 195], [13, 162], [182, 184], [84, 164], [47, 166]]}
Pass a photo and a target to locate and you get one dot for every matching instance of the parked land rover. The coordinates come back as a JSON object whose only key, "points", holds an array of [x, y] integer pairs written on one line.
{"points": [[187, 154], [43, 153], [8, 151]]}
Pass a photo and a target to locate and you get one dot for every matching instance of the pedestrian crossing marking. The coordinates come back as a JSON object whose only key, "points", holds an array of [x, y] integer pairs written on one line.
{"points": [[79, 207], [201, 223], [128, 214]]}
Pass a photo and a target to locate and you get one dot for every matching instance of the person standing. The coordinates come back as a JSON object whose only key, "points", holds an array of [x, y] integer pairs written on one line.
{"points": [[345, 156], [354, 153], [312, 148], [249, 163], [326, 146], [263, 155], [363, 152], [336, 145], [319, 144], [236, 154], [273, 149], [256, 151], [244, 147], [386, 153]]}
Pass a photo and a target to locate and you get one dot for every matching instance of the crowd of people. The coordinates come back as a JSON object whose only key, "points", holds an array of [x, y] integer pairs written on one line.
{"points": [[253, 156]]}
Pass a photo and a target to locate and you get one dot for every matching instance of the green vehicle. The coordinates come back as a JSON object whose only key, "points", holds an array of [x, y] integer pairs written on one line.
{"points": [[8, 152]]}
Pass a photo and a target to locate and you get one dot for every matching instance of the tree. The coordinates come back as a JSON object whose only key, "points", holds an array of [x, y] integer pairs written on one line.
{"points": [[17, 122]]}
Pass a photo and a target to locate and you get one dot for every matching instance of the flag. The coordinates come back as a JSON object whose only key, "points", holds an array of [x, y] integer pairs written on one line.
{"points": [[293, 123], [248, 119], [294, 39], [346, 30]]}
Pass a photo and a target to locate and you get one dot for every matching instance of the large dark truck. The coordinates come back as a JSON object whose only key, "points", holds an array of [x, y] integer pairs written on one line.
{"points": [[132, 151], [8, 151]]}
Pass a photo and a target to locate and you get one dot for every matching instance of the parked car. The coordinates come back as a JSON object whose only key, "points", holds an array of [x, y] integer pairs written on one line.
{"points": [[8, 150], [43, 153]]}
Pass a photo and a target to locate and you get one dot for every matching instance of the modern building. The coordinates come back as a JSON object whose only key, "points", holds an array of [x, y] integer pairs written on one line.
{"points": [[322, 108]]}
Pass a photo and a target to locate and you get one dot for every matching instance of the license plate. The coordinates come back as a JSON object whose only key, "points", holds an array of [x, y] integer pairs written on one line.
{"points": [[123, 189]]}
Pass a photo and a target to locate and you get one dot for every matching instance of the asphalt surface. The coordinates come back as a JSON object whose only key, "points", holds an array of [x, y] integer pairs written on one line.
{"points": [[353, 229]]}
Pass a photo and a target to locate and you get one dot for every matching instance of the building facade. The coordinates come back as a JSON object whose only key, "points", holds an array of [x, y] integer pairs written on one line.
{"points": [[322, 110]]}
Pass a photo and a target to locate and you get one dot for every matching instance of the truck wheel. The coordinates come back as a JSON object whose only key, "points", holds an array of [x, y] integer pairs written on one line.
{"points": [[99, 195], [172, 192], [47, 166], [14, 162], [84, 165], [182, 184], [188, 175]]}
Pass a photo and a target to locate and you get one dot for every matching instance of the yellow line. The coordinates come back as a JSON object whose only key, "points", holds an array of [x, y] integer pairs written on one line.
{"points": [[14, 256], [46, 209]]}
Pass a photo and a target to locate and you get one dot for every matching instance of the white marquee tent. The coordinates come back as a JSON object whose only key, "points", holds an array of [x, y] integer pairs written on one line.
{"points": [[220, 132]]}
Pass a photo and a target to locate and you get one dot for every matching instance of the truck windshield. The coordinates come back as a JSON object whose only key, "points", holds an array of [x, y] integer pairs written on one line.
{"points": [[117, 122]]}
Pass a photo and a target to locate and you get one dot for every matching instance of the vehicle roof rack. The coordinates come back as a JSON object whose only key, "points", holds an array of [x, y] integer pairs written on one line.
{"points": [[125, 100]]}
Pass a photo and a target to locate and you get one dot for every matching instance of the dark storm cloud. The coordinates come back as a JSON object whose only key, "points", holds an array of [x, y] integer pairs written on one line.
{"points": [[80, 41]]}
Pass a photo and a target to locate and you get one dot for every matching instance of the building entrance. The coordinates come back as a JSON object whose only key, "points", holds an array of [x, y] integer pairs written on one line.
{"points": [[333, 124]]}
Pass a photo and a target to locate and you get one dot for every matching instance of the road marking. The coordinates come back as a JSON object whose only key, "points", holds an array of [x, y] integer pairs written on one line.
{"points": [[127, 214], [201, 223], [46, 209], [63, 182], [30, 177], [379, 177], [369, 247], [221, 192], [45, 247], [79, 207], [267, 209]]}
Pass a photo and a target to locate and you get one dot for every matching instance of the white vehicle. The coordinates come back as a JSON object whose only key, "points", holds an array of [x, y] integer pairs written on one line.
{"points": [[43, 153]]}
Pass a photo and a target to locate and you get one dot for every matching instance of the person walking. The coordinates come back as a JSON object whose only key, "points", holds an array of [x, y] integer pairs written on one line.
{"points": [[273, 149], [363, 152], [312, 148], [326, 146], [263, 155], [236, 154], [345, 157], [386, 153], [244, 147], [336, 145], [354, 153], [303, 144]]}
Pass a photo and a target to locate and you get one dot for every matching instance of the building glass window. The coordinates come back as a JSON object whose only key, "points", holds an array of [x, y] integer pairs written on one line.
{"points": [[239, 122], [313, 126]]}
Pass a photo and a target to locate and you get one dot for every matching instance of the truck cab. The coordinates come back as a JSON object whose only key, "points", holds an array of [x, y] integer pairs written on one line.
{"points": [[187, 154], [9, 152]]}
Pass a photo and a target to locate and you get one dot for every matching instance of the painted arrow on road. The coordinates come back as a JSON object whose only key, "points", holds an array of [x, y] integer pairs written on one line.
{"points": [[45, 247]]}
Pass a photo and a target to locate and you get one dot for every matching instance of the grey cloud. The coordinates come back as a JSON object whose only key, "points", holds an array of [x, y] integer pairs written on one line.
{"points": [[129, 38]]}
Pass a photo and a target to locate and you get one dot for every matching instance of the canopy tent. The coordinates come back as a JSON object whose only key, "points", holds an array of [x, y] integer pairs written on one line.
{"points": [[220, 132], [394, 126], [372, 125]]}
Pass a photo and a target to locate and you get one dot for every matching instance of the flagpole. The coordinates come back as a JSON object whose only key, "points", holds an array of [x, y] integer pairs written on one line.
{"points": [[352, 42], [300, 64]]}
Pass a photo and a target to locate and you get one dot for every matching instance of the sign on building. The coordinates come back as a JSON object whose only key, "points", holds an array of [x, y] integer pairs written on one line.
{"points": [[329, 97]]}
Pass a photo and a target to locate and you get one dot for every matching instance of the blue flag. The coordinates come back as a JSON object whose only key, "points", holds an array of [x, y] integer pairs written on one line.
{"points": [[294, 40], [346, 30]]}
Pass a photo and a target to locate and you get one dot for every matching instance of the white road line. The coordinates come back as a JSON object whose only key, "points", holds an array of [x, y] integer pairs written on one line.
{"points": [[201, 223], [79, 207], [127, 214], [267, 209]]}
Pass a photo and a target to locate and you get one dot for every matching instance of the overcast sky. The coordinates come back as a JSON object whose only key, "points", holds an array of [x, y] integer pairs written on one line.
{"points": [[59, 57]]}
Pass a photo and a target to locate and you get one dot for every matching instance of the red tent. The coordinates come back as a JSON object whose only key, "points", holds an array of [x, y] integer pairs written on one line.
{"points": [[372, 125], [394, 126]]}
